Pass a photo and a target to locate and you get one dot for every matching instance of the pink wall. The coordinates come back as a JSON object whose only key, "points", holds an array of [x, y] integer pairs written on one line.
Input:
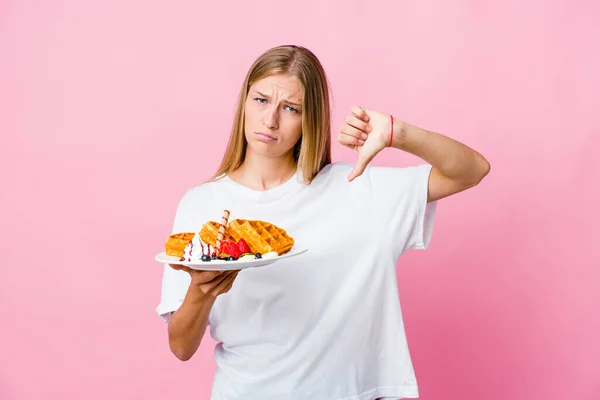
{"points": [[110, 110]]}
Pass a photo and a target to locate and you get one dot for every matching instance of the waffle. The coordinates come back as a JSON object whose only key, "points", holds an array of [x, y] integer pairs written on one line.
{"points": [[210, 231], [262, 237], [176, 243]]}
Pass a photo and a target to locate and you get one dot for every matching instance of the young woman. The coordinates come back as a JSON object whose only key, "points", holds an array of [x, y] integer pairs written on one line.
{"points": [[326, 324]]}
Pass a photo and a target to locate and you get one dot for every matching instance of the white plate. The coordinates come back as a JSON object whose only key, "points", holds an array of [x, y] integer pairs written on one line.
{"points": [[223, 265]]}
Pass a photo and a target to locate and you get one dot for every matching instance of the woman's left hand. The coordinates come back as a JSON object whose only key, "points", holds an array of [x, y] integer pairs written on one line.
{"points": [[367, 132]]}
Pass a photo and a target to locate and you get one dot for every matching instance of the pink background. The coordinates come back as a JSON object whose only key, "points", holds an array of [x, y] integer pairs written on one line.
{"points": [[109, 111]]}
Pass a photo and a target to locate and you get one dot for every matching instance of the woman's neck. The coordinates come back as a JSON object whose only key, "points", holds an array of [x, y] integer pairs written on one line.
{"points": [[263, 173]]}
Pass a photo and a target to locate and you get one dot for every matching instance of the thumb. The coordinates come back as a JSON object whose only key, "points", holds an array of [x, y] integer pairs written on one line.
{"points": [[359, 167]]}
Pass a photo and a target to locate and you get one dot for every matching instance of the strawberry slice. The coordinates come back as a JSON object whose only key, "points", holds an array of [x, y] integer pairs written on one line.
{"points": [[230, 248], [243, 246], [224, 248]]}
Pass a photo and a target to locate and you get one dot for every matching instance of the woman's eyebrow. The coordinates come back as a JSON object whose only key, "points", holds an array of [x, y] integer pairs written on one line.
{"points": [[286, 100]]}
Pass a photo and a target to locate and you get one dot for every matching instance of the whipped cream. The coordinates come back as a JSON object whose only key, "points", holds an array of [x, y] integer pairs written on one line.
{"points": [[271, 254], [194, 249]]}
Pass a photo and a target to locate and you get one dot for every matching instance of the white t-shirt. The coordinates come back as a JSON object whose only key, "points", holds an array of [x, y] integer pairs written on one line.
{"points": [[326, 324]]}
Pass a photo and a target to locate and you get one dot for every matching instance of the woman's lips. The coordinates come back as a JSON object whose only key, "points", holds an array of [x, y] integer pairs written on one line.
{"points": [[265, 137]]}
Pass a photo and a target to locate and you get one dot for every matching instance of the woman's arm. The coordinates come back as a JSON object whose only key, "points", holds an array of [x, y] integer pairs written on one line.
{"points": [[188, 324], [456, 167]]}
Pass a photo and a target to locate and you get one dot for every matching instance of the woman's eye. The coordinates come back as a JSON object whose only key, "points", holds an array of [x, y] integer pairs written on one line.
{"points": [[292, 109], [261, 100]]}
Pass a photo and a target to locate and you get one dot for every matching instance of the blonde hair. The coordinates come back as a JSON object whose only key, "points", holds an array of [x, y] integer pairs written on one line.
{"points": [[312, 152]]}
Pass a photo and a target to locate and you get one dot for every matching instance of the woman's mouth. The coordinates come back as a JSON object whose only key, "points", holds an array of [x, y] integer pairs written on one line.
{"points": [[265, 137]]}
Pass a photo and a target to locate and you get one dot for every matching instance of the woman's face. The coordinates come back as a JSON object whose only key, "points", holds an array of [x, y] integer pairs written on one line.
{"points": [[273, 121]]}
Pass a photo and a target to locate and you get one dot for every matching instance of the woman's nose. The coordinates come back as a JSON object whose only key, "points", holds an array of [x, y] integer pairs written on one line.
{"points": [[270, 118]]}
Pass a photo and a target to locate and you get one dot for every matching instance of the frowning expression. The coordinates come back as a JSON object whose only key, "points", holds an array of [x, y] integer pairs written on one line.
{"points": [[273, 115]]}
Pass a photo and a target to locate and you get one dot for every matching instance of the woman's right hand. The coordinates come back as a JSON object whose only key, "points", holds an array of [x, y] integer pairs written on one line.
{"points": [[189, 322], [209, 283]]}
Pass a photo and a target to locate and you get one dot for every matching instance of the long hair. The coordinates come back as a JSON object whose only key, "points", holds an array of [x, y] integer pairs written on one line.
{"points": [[312, 152]]}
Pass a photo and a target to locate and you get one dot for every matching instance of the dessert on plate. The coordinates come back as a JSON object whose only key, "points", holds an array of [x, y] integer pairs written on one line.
{"points": [[239, 239]]}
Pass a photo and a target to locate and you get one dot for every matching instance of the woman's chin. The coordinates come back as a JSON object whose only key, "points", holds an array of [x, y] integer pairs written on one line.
{"points": [[268, 150]]}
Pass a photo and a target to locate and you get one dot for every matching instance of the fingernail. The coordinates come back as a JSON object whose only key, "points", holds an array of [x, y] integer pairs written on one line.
{"points": [[364, 136], [366, 117], [369, 128], [361, 142]]}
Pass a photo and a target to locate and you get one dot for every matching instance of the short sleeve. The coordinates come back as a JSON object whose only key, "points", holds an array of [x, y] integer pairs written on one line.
{"points": [[174, 288], [400, 196], [174, 283]]}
